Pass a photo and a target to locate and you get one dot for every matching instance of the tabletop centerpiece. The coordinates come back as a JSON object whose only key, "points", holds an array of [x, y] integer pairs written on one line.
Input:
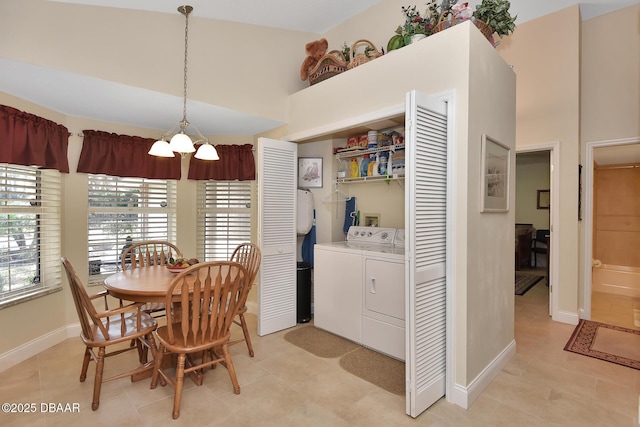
{"points": [[177, 265]]}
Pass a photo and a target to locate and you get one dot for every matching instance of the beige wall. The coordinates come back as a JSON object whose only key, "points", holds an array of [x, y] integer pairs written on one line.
{"points": [[547, 67], [610, 86], [489, 302], [136, 48]]}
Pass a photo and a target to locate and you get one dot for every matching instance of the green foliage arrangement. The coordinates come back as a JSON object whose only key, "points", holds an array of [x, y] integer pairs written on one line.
{"points": [[415, 23], [495, 13]]}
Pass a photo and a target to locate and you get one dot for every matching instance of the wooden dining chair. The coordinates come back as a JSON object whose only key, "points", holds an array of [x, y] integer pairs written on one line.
{"points": [[210, 294], [249, 256], [146, 254], [100, 330]]}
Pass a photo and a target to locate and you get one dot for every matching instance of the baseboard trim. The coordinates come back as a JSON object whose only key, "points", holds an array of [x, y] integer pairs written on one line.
{"points": [[37, 345], [567, 317], [465, 396]]}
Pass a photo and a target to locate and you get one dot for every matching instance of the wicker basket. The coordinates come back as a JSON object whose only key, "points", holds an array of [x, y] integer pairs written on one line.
{"points": [[331, 64], [484, 28], [370, 52], [444, 23]]}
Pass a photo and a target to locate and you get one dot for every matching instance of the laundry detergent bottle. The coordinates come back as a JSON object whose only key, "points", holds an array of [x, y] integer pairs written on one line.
{"points": [[354, 168], [364, 165]]}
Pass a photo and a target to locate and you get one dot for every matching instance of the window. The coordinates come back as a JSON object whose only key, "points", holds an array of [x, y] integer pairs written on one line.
{"points": [[29, 233], [224, 217], [123, 211]]}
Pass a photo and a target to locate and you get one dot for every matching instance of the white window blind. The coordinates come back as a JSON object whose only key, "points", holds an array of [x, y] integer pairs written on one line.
{"points": [[123, 211], [224, 218], [29, 232]]}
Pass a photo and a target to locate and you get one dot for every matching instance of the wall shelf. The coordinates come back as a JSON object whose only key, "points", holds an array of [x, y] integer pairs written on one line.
{"points": [[365, 179], [357, 153]]}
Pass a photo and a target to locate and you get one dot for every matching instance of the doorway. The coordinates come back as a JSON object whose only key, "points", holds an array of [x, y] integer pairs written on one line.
{"points": [[546, 157], [623, 151], [533, 181]]}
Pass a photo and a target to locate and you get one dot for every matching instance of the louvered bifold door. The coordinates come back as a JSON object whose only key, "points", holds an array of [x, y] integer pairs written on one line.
{"points": [[425, 222], [277, 162]]}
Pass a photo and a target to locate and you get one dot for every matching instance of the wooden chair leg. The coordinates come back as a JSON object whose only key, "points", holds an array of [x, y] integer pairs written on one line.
{"points": [[231, 369], [97, 384], [245, 331], [85, 364], [179, 384], [159, 354]]}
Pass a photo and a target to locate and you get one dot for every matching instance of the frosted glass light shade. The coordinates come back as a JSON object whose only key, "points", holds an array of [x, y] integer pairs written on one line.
{"points": [[161, 149], [181, 143], [207, 152]]}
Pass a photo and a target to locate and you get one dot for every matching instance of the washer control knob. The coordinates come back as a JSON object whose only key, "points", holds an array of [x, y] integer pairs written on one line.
{"points": [[384, 235]]}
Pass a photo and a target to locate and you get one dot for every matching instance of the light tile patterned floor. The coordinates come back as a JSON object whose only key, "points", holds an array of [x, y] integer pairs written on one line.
{"points": [[543, 385]]}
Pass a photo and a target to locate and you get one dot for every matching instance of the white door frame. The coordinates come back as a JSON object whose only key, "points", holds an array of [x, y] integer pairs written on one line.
{"points": [[587, 217], [554, 218]]}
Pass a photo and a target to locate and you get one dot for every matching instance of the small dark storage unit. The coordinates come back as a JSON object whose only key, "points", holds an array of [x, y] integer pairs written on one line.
{"points": [[303, 298]]}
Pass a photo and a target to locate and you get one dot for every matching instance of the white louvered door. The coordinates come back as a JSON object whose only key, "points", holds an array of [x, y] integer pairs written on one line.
{"points": [[425, 274], [277, 163]]}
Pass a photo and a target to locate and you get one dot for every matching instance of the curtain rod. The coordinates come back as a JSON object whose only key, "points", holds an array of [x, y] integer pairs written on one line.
{"points": [[81, 135]]}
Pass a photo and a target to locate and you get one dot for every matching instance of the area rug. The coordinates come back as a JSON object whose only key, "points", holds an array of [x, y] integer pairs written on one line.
{"points": [[606, 342], [378, 369], [319, 342], [525, 281]]}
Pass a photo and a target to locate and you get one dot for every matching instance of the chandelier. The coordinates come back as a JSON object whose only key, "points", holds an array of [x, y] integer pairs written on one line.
{"points": [[180, 142]]}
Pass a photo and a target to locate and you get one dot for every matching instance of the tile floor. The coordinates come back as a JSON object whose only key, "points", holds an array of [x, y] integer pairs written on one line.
{"points": [[543, 385]]}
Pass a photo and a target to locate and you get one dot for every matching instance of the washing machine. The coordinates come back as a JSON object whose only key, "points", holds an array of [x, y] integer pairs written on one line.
{"points": [[359, 288], [383, 304]]}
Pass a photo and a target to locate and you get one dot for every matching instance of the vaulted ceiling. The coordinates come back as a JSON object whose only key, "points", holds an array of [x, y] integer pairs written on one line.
{"points": [[99, 99]]}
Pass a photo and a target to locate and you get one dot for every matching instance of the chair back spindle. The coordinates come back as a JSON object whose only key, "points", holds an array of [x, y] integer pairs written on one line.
{"points": [[149, 253]]}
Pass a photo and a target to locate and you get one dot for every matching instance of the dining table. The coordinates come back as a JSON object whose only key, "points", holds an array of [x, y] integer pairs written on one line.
{"points": [[146, 285]]}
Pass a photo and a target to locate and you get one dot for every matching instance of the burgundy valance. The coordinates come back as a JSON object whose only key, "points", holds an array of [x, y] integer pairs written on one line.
{"points": [[123, 155], [29, 140], [236, 163]]}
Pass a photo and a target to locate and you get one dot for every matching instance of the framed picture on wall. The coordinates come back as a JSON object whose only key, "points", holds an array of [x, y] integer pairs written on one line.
{"points": [[543, 199], [495, 175], [310, 172]]}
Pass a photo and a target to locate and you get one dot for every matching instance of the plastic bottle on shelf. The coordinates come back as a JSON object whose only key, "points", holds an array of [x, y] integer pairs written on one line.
{"points": [[383, 164], [364, 165], [374, 167], [354, 168]]}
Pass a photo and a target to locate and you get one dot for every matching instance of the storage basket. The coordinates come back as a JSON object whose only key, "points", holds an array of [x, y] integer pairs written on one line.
{"points": [[484, 28], [444, 23], [331, 64], [365, 55]]}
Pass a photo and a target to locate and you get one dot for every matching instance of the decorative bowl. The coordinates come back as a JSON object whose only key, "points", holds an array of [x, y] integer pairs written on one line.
{"points": [[176, 270]]}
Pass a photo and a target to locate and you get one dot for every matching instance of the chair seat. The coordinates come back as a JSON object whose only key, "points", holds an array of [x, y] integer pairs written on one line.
{"points": [[192, 346], [116, 334]]}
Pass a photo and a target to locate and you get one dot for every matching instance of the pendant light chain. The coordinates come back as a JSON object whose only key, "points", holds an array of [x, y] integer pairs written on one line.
{"points": [[181, 142], [186, 50]]}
